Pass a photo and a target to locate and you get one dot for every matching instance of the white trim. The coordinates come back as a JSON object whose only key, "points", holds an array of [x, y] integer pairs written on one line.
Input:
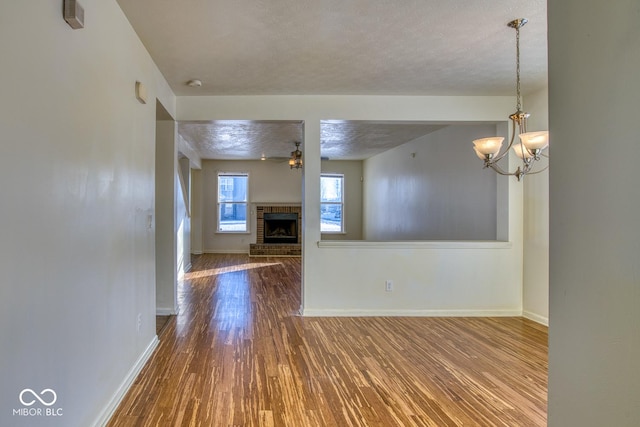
{"points": [[226, 251], [409, 313], [341, 203], [275, 256], [167, 311], [196, 252], [426, 244], [247, 202], [117, 397], [536, 318]]}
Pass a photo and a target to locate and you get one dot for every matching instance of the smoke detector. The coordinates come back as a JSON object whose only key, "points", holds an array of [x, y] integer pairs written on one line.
{"points": [[194, 83]]}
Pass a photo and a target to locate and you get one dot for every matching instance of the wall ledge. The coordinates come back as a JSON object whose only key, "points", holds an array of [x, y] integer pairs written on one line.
{"points": [[317, 312], [424, 244]]}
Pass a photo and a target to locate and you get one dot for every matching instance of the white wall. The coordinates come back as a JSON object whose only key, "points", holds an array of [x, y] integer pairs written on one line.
{"points": [[348, 277], [432, 188], [270, 182], [77, 247], [166, 195], [183, 208], [196, 212], [352, 215], [594, 271], [536, 220]]}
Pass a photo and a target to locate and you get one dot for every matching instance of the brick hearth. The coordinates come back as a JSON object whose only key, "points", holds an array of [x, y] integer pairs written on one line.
{"points": [[275, 249]]}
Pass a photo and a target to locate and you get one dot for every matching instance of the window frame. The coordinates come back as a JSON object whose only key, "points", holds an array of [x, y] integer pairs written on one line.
{"points": [[341, 203], [220, 175]]}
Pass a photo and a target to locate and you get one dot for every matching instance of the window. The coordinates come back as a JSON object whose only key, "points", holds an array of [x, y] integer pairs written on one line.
{"points": [[232, 202], [331, 203]]}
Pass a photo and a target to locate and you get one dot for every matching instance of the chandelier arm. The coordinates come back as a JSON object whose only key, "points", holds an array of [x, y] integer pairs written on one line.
{"points": [[513, 136], [538, 171], [499, 170]]}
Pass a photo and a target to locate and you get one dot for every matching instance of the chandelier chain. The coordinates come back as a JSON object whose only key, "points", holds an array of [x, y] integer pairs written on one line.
{"points": [[529, 150], [519, 102]]}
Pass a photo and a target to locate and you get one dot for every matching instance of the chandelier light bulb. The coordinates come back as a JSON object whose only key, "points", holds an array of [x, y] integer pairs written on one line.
{"points": [[522, 152], [535, 140], [488, 146]]}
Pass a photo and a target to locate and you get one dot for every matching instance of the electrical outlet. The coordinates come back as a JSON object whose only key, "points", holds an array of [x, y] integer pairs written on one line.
{"points": [[139, 322], [388, 286]]}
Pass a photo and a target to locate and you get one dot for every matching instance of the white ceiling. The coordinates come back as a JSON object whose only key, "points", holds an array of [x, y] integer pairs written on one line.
{"points": [[352, 47]]}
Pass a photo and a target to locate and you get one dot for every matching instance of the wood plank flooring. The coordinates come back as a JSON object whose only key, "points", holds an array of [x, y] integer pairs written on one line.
{"points": [[238, 354], [161, 322]]}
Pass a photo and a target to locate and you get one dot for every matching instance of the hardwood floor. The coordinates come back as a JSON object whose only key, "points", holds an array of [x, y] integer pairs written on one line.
{"points": [[161, 322], [239, 355]]}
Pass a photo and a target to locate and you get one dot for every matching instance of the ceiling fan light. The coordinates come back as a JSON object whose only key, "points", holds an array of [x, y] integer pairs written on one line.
{"points": [[535, 140]]}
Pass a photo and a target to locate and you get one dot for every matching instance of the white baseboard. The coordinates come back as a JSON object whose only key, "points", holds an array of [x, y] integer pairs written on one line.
{"points": [[166, 311], [410, 313], [226, 251], [536, 318], [117, 397]]}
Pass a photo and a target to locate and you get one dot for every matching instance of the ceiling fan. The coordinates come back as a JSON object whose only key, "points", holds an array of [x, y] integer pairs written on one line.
{"points": [[264, 157]]}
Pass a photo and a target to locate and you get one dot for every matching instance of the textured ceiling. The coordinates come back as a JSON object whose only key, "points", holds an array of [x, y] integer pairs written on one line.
{"points": [[401, 47], [358, 140], [355, 47], [242, 139], [274, 140]]}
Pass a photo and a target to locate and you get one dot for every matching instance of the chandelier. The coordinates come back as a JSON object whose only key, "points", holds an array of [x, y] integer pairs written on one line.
{"points": [[295, 161], [531, 144]]}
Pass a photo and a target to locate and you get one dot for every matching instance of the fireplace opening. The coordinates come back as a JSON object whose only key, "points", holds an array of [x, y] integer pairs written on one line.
{"points": [[281, 228]]}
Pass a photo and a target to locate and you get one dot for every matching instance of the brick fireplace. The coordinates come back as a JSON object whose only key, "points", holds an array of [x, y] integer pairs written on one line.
{"points": [[282, 235]]}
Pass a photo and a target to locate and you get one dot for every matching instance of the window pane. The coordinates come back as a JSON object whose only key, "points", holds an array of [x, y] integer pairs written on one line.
{"points": [[330, 217], [232, 188], [331, 189], [233, 217], [331, 203]]}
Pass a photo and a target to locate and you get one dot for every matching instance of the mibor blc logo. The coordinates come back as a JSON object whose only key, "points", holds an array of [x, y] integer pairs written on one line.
{"points": [[37, 404]]}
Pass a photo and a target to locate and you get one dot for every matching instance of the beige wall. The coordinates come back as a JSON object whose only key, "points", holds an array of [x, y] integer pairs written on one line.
{"points": [[432, 188], [77, 249], [166, 198], [536, 221], [197, 211], [594, 238]]}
